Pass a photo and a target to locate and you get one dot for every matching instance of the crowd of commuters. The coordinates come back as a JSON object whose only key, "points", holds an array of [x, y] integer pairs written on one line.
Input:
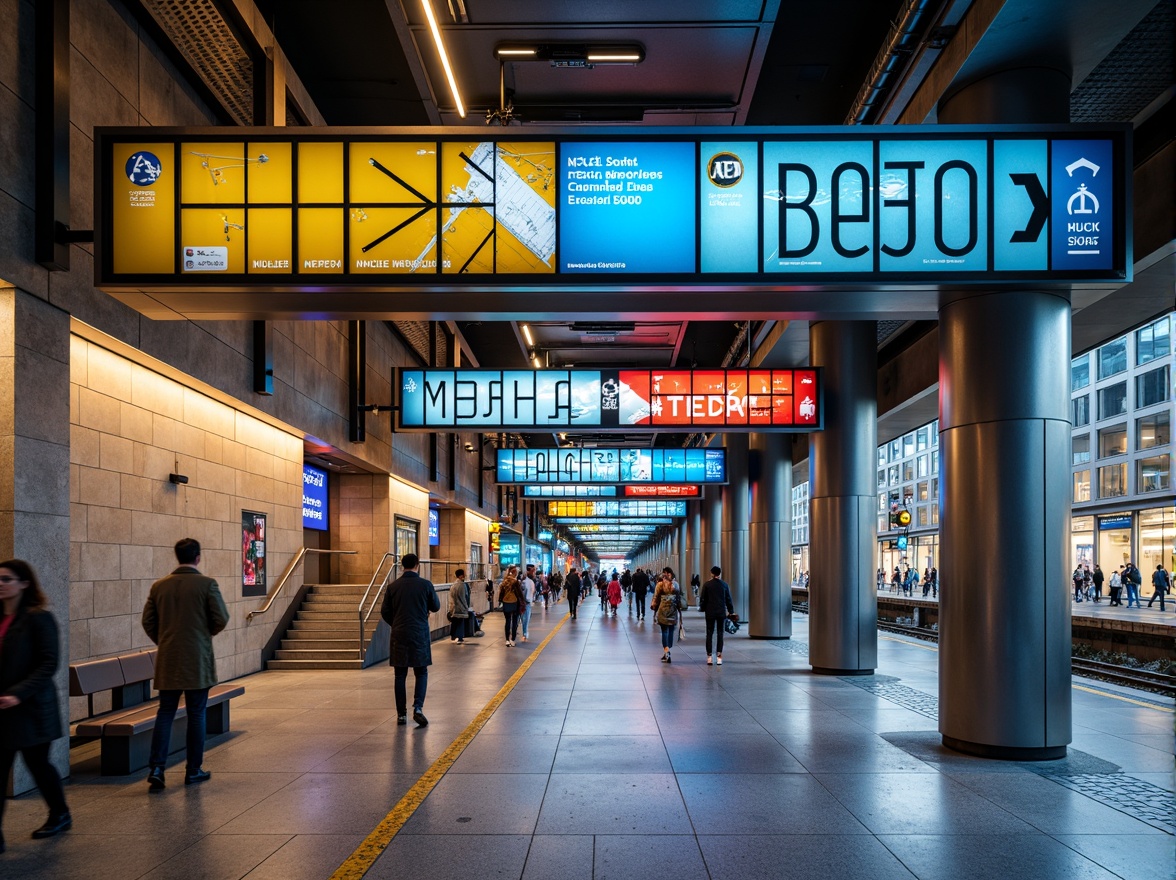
{"points": [[1127, 580]]}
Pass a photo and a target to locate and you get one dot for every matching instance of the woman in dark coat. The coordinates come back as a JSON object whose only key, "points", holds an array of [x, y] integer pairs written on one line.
{"points": [[30, 718]]}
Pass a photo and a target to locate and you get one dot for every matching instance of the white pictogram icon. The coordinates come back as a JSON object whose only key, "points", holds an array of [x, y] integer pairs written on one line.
{"points": [[1083, 197], [410, 386], [807, 409]]}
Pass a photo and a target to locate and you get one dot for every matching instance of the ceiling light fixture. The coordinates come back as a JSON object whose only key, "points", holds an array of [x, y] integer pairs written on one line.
{"points": [[527, 334], [614, 57], [572, 54], [535, 361], [436, 31]]}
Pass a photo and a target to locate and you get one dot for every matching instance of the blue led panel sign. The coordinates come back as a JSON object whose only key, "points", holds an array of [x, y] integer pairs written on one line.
{"points": [[616, 508], [576, 521], [314, 498], [572, 490], [510, 549], [609, 400], [325, 210], [615, 466], [434, 527]]}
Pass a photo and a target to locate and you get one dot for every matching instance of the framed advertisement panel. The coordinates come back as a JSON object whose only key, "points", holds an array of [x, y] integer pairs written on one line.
{"points": [[253, 566]]}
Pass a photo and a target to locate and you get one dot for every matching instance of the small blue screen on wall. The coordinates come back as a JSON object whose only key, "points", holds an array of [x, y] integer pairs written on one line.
{"points": [[434, 527], [627, 207], [314, 498]]}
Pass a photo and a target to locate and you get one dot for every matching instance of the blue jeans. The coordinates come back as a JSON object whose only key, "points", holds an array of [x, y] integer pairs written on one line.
{"points": [[667, 636], [196, 702], [526, 616], [420, 684], [1133, 594]]}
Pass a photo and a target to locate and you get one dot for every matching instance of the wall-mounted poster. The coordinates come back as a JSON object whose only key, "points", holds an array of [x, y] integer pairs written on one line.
{"points": [[252, 553]]}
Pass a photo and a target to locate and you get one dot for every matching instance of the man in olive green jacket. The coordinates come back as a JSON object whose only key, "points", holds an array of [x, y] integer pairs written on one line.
{"points": [[183, 612]]}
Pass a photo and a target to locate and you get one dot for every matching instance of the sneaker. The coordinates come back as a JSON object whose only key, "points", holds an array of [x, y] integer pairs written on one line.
{"points": [[401, 720], [155, 781], [709, 660], [668, 659], [720, 660], [419, 717]]}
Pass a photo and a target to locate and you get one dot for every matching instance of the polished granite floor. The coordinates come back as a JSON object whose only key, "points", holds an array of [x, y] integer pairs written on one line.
{"points": [[605, 763]]}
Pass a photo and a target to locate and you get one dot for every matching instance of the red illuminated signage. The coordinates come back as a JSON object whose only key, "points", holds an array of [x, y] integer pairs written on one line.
{"points": [[722, 398], [663, 491]]}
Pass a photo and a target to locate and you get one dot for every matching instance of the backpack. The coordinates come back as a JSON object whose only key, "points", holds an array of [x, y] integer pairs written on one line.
{"points": [[667, 609]]}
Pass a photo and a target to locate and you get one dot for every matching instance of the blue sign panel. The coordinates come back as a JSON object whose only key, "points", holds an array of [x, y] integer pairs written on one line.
{"points": [[434, 527], [1083, 190], [314, 498], [1020, 206], [510, 549], [612, 466], [1114, 522], [729, 206], [616, 508], [626, 208], [572, 490]]}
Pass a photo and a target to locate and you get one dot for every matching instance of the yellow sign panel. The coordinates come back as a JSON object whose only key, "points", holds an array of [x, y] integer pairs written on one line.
{"points": [[363, 207], [143, 193]]}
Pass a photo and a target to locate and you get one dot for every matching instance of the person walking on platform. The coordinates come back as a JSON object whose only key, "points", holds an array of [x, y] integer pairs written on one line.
{"points": [[627, 586], [183, 612], [530, 596], [714, 600], [896, 580], [640, 590], [1132, 580], [30, 718], [407, 604], [1117, 586], [1098, 578], [602, 590], [459, 608], [614, 595], [572, 583], [667, 603], [489, 595], [510, 600], [1161, 584]]}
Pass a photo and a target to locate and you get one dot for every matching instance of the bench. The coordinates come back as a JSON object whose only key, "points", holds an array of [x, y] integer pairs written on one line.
{"points": [[125, 731]]}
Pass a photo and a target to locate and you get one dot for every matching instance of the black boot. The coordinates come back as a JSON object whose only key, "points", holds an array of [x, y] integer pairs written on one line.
{"points": [[54, 825]]}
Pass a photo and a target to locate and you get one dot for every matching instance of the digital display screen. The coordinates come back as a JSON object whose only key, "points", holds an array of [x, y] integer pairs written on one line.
{"points": [[570, 491], [663, 491], [434, 527], [510, 549], [314, 498], [616, 508], [578, 521], [615, 466], [218, 209], [609, 400]]}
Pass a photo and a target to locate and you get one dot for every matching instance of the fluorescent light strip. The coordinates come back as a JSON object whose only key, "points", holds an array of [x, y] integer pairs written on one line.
{"points": [[428, 5], [628, 57], [520, 52], [527, 333]]}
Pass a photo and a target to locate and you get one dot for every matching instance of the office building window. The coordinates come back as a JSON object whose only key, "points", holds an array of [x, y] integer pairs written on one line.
{"points": [[1081, 448], [1153, 474], [908, 471], [1151, 387], [1112, 358], [1153, 430], [1112, 480], [908, 445], [1112, 401], [1080, 372], [1152, 342], [1111, 441], [1080, 410], [882, 478], [922, 438], [892, 475], [922, 493], [924, 465], [1081, 486]]}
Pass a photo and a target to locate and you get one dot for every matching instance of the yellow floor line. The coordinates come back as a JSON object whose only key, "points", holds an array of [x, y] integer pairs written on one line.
{"points": [[365, 855], [1076, 687]]}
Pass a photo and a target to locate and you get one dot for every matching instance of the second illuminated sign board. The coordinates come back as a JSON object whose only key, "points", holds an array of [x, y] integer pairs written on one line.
{"points": [[616, 508], [608, 400], [615, 466]]}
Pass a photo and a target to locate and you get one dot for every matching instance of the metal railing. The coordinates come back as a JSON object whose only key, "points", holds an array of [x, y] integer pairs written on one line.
{"points": [[428, 569], [291, 567]]}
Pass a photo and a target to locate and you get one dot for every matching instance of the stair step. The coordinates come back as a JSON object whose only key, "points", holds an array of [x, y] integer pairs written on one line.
{"points": [[337, 607], [347, 626], [315, 664], [301, 644], [315, 654], [351, 615]]}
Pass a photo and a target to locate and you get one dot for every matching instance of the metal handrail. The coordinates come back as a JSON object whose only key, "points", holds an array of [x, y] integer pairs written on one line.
{"points": [[291, 567], [364, 617]]}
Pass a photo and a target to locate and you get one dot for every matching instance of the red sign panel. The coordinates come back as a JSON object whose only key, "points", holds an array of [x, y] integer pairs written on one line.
{"points": [[752, 399], [664, 491]]}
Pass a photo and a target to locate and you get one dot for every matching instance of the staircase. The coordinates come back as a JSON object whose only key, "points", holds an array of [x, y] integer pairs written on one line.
{"points": [[325, 632]]}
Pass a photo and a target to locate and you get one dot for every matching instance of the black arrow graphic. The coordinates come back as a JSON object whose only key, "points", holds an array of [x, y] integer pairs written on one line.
{"points": [[1040, 200]]}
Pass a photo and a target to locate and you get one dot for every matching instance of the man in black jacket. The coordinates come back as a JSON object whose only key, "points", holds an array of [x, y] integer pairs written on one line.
{"points": [[574, 587], [715, 602], [406, 608], [640, 588]]}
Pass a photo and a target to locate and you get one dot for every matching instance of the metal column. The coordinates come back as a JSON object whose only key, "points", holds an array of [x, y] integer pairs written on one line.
{"points": [[1004, 486], [770, 589], [710, 548], [843, 526], [736, 504]]}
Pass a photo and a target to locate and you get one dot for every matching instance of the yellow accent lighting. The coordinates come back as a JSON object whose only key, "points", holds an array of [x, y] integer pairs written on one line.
{"points": [[436, 31]]}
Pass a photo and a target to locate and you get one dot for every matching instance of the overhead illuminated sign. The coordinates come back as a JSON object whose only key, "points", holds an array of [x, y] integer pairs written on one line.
{"points": [[510, 549], [611, 465], [572, 490], [581, 521], [663, 491], [608, 400], [324, 209], [616, 508]]}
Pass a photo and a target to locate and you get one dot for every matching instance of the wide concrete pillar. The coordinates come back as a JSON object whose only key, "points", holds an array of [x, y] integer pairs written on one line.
{"points": [[35, 470], [711, 547], [843, 527], [1004, 486], [736, 513], [770, 537]]}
